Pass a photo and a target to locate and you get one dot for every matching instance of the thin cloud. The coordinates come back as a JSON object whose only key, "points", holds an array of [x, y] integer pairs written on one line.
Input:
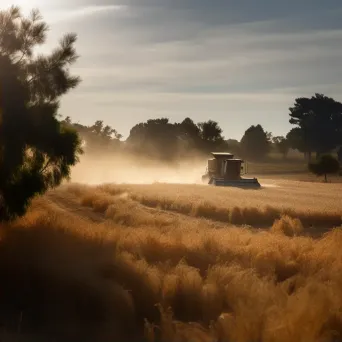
{"points": [[82, 12], [190, 58]]}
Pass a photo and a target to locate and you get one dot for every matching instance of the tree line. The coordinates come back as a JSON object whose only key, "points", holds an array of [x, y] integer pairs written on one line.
{"points": [[317, 121], [38, 148], [156, 138]]}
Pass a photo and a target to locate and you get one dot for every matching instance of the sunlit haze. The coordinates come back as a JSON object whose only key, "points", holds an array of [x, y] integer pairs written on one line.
{"points": [[237, 62]]}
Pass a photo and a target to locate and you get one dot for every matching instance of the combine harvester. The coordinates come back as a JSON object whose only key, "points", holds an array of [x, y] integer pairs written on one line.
{"points": [[225, 170]]}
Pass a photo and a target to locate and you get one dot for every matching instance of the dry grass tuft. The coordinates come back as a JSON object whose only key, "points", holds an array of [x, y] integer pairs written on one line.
{"points": [[288, 226]]}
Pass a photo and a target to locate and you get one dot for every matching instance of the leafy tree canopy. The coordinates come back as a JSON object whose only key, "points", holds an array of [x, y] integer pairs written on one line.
{"points": [[255, 143], [189, 132], [282, 145], [211, 136], [36, 151], [97, 137], [189, 128], [156, 137], [161, 139], [210, 131], [319, 123], [105, 132]]}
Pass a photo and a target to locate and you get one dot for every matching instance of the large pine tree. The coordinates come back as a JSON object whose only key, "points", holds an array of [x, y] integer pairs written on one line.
{"points": [[36, 150]]}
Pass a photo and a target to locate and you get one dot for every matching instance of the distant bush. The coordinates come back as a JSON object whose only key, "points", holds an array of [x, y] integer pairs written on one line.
{"points": [[326, 164]]}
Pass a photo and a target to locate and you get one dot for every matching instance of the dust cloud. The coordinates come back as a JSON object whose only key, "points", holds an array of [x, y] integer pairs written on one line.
{"points": [[270, 185], [95, 170], [127, 169]]}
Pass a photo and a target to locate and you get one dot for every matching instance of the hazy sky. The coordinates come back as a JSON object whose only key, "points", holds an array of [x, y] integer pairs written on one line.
{"points": [[240, 62]]}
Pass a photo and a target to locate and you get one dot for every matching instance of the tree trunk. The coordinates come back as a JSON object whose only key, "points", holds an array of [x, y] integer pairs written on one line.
{"points": [[339, 154], [325, 178], [307, 156]]}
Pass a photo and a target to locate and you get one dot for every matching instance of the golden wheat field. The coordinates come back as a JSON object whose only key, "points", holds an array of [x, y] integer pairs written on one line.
{"points": [[172, 262]]}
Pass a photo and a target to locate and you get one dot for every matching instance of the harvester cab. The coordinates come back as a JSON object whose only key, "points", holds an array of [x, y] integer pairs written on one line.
{"points": [[225, 170]]}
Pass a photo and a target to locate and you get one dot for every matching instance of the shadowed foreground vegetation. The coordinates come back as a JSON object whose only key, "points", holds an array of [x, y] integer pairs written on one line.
{"points": [[124, 263]]}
